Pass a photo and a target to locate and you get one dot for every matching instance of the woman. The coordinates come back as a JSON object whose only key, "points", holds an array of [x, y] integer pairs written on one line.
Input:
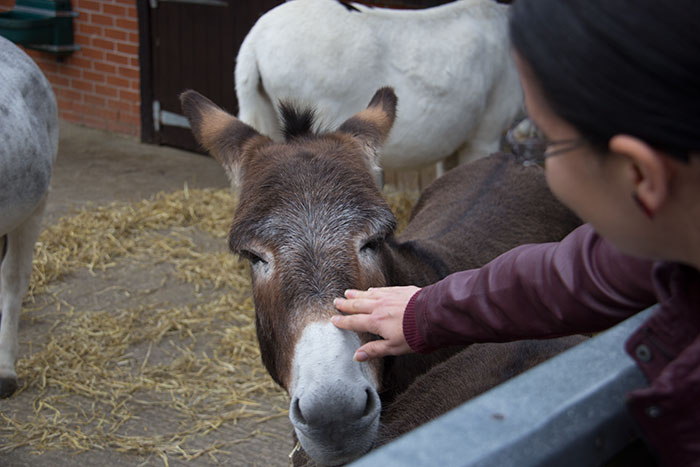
{"points": [[614, 87]]}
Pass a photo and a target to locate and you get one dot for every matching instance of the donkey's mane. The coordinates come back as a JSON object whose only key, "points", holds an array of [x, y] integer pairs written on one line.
{"points": [[297, 121]]}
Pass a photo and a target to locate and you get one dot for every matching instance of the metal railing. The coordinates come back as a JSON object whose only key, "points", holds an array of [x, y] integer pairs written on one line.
{"points": [[568, 411]]}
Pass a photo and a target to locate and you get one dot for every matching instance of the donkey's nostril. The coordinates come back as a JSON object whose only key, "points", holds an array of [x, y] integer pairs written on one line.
{"points": [[333, 406], [371, 404], [296, 412]]}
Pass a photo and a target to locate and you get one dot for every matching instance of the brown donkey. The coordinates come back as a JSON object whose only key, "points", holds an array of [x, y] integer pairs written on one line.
{"points": [[312, 223]]}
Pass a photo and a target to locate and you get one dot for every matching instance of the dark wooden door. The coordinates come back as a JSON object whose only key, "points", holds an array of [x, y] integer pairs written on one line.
{"points": [[193, 45]]}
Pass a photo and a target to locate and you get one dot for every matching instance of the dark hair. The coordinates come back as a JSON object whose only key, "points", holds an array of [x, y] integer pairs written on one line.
{"points": [[617, 66]]}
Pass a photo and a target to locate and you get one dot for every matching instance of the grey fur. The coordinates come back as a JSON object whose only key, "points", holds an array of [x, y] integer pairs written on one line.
{"points": [[29, 135]]}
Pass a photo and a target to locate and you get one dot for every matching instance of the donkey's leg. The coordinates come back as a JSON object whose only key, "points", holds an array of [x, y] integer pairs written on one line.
{"points": [[504, 105], [448, 163], [15, 271]]}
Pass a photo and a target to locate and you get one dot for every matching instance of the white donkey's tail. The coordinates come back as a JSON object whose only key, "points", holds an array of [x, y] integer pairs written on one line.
{"points": [[255, 105]]}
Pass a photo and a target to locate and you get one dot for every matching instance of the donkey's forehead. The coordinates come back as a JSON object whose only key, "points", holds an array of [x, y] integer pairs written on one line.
{"points": [[306, 189], [325, 146], [300, 217], [327, 167], [315, 212]]}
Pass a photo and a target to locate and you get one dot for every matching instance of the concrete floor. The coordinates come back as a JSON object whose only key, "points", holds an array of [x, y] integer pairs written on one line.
{"points": [[98, 167]]}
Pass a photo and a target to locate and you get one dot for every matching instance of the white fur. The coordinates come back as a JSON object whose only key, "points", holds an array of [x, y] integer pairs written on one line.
{"points": [[334, 403], [450, 66], [29, 135]]}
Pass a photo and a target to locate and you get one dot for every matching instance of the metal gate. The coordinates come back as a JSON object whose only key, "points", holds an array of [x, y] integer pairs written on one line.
{"points": [[189, 44]]}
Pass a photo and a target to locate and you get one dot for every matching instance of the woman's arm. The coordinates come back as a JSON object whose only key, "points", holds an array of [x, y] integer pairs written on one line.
{"points": [[581, 284]]}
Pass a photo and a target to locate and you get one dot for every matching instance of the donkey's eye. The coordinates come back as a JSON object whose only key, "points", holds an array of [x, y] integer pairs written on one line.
{"points": [[254, 258], [371, 245]]}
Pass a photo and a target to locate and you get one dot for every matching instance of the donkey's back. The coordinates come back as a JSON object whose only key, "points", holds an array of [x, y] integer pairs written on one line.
{"points": [[29, 132], [29, 135], [450, 64], [475, 212], [463, 220]]}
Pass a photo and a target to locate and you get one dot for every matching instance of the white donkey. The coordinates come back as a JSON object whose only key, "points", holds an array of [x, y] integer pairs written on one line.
{"points": [[29, 135], [450, 64]]}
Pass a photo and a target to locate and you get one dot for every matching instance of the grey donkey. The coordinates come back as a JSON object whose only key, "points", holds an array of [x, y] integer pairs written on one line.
{"points": [[29, 135]]}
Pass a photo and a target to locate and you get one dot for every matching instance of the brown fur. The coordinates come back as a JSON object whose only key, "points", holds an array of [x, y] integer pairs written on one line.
{"points": [[311, 208], [467, 374], [224, 136], [277, 173], [376, 120], [485, 208], [279, 179]]}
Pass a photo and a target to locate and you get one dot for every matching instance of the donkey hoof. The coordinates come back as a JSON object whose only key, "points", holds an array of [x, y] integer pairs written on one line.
{"points": [[8, 386]]}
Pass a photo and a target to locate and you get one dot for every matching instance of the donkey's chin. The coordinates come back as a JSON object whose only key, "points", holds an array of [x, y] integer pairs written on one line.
{"points": [[331, 446]]}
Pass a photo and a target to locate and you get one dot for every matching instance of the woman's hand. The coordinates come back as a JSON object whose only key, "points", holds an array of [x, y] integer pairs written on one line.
{"points": [[377, 311]]}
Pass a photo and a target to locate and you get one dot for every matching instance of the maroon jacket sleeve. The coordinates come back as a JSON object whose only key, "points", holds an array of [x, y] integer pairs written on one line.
{"points": [[581, 284]]}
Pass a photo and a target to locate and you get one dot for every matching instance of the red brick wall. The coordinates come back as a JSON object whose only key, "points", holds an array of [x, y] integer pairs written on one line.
{"points": [[98, 86]]}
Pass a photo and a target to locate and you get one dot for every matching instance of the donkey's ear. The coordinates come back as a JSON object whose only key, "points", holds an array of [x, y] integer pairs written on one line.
{"points": [[223, 135], [372, 125]]}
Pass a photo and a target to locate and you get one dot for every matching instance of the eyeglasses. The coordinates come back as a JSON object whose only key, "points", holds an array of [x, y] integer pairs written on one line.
{"points": [[529, 143]]}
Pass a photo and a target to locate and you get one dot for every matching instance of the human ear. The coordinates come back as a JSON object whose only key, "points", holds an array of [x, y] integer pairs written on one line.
{"points": [[649, 171]]}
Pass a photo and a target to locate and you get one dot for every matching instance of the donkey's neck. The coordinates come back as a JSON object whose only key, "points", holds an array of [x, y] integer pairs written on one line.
{"points": [[463, 220], [412, 263], [401, 371]]}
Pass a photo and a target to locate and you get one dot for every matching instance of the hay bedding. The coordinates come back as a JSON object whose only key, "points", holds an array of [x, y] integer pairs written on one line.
{"points": [[163, 361]]}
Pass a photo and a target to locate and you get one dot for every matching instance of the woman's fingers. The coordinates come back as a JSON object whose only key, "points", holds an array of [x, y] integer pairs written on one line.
{"points": [[354, 305], [376, 349], [357, 323], [377, 311], [372, 292], [381, 348]]}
